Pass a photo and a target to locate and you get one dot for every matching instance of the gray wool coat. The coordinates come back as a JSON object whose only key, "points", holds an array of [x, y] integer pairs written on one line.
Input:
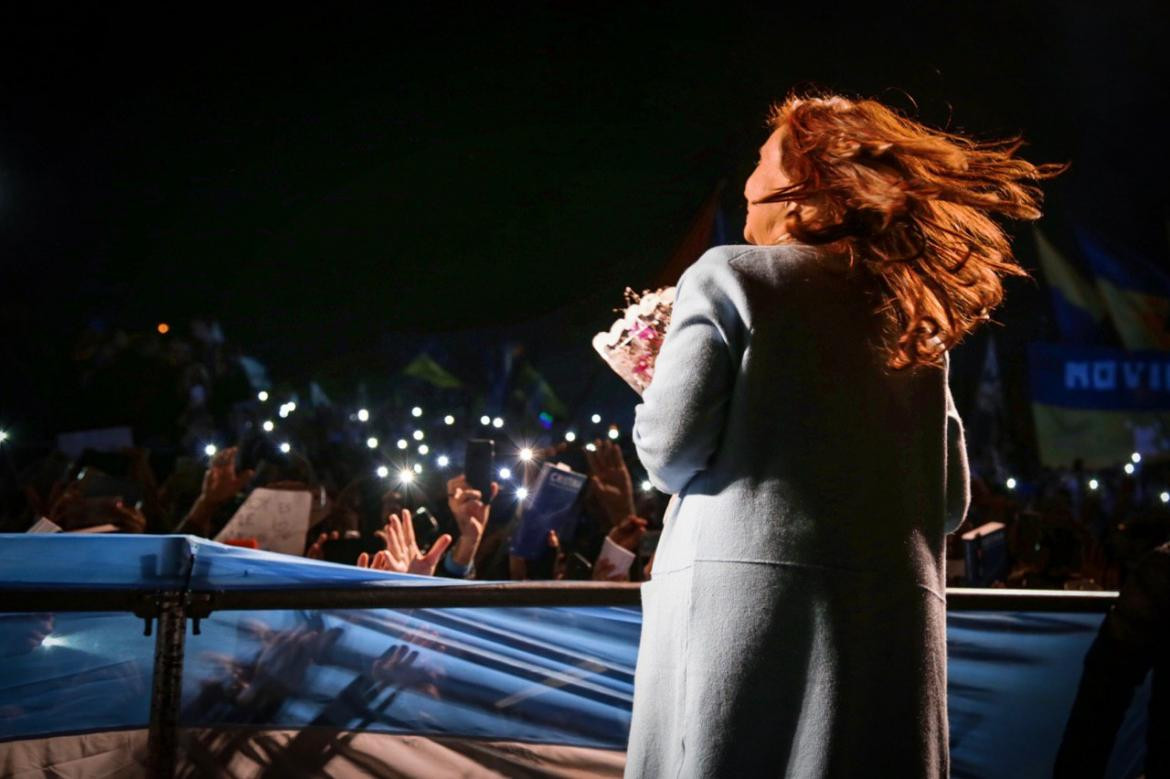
{"points": [[795, 621]]}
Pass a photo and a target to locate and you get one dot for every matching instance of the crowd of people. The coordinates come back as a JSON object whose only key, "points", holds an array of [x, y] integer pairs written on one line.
{"points": [[388, 486], [1068, 528], [385, 478]]}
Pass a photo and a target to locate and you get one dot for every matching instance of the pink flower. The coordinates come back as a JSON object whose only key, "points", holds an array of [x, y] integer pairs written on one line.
{"points": [[645, 332]]}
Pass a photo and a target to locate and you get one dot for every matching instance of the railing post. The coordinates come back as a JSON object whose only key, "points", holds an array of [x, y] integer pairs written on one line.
{"points": [[167, 685]]}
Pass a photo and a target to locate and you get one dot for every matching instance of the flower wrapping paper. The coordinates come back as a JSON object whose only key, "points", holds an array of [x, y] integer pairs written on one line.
{"points": [[630, 346]]}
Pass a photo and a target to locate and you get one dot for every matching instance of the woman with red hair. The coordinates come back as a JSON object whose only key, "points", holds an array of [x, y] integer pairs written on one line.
{"points": [[800, 414]]}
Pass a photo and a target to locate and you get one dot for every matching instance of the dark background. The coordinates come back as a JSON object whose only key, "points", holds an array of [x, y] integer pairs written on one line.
{"points": [[333, 184]]}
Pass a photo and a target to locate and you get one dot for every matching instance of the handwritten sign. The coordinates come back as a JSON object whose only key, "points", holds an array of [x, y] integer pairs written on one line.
{"points": [[277, 519]]}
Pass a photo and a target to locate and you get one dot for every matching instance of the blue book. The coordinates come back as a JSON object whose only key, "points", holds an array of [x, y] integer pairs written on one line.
{"points": [[551, 506]]}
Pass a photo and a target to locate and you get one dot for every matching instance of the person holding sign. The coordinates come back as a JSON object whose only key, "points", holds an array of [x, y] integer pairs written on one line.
{"points": [[794, 623]]}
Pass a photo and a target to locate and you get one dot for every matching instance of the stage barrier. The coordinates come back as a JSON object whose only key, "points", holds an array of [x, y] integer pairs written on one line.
{"points": [[176, 656]]}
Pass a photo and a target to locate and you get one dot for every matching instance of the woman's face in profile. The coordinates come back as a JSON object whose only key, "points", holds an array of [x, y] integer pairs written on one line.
{"points": [[765, 221]]}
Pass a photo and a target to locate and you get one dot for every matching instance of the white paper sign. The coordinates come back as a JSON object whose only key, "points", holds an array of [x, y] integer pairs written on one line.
{"points": [[277, 519]]}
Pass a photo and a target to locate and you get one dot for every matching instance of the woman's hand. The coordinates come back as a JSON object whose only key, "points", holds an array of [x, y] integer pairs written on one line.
{"points": [[402, 554]]}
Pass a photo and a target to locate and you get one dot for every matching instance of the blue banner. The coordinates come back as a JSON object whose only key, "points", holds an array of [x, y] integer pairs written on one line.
{"points": [[1099, 378]]}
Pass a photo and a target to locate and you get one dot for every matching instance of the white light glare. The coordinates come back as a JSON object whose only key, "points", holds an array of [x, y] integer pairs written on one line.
{"points": [[596, 418], [526, 455], [291, 406], [406, 476], [268, 426], [1129, 468], [521, 493], [3, 436], [443, 460], [1093, 484], [613, 433], [424, 449], [286, 447], [363, 415], [448, 420], [372, 442], [497, 422], [403, 443], [416, 412], [383, 471], [505, 473], [1011, 482], [485, 420], [417, 435], [262, 396], [417, 468], [1136, 457], [647, 486], [1165, 496], [570, 436], [210, 450], [590, 448], [283, 412]]}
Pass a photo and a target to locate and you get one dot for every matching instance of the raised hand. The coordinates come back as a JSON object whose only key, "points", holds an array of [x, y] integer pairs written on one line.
{"points": [[610, 486], [471, 514], [629, 533], [467, 505], [316, 550], [221, 483], [402, 554]]}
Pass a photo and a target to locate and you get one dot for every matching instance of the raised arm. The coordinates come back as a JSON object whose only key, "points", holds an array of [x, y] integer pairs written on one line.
{"points": [[678, 425]]}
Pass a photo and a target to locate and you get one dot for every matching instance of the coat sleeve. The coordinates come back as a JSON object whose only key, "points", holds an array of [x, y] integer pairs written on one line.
{"points": [[958, 474], [678, 425]]}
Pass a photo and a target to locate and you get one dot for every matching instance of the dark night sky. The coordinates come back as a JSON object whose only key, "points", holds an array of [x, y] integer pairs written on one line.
{"points": [[323, 182]]}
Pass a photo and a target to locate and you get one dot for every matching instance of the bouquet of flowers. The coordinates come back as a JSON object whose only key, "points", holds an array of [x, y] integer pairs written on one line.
{"points": [[631, 344]]}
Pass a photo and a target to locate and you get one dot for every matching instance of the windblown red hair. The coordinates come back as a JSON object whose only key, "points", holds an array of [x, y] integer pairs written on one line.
{"points": [[915, 206]]}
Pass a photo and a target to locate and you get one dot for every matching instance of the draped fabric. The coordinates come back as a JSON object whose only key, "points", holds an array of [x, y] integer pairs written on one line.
{"points": [[421, 692]]}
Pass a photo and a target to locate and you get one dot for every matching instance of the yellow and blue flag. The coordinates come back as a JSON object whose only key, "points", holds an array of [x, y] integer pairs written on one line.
{"points": [[1080, 310], [1136, 291], [1099, 404]]}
